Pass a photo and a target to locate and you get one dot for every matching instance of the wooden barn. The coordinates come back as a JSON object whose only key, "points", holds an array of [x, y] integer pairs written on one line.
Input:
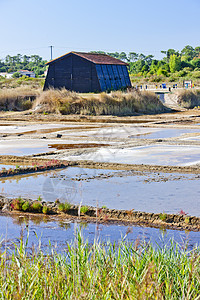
{"points": [[87, 72]]}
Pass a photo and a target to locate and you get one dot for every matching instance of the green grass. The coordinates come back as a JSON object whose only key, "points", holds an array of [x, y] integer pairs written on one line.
{"points": [[84, 209], [26, 206], [36, 207], [96, 271], [45, 210], [163, 216], [64, 207]]}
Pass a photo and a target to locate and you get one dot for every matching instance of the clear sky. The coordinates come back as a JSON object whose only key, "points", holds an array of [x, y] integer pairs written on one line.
{"points": [[144, 26]]}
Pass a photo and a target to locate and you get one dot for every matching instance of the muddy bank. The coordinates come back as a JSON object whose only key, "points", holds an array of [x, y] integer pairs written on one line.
{"points": [[193, 169], [100, 214], [137, 167], [34, 169]]}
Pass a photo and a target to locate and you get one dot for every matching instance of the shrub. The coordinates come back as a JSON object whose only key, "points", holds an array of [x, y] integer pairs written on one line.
{"points": [[163, 216], [173, 78], [26, 206], [196, 74], [84, 209], [189, 98], [17, 204], [187, 220], [26, 104], [17, 98], [45, 210], [39, 198], [36, 206], [64, 207]]}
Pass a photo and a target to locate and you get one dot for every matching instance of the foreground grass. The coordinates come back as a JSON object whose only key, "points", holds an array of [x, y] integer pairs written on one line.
{"points": [[99, 271]]}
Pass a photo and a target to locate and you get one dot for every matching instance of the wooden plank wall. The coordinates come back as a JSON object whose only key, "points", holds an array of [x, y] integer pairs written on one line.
{"points": [[74, 73]]}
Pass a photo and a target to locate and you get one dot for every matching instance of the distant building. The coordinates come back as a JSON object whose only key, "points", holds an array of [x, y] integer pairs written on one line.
{"points": [[87, 72], [27, 73], [6, 75]]}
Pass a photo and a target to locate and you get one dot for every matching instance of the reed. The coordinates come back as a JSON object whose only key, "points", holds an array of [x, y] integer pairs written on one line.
{"points": [[101, 271], [189, 98], [19, 98], [114, 103]]}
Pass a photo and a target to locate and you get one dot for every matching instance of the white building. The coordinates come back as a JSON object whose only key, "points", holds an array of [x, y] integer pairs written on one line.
{"points": [[27, 73], [6, 75]]}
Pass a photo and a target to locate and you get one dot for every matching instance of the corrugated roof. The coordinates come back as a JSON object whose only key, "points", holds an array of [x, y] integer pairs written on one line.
{"points": [[102, 59]]}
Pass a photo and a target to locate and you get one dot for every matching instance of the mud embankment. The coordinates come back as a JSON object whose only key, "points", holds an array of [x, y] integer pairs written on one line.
{"points": [[100, 214], [10, 159], [34, 169]]}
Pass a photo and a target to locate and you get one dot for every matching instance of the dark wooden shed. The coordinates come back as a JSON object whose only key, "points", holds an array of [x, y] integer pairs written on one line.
{"points": [[87, 72]]}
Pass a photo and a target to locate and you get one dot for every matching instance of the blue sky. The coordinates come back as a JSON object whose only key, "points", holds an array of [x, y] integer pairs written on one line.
{"points": [[145, 26]]}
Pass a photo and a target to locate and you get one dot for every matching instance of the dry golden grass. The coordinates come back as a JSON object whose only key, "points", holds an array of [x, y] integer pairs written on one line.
{"points": [[19, 98], [189, 98], [115, 103]]}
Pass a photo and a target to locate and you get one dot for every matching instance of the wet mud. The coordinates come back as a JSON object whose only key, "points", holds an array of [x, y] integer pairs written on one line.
{"points": [[76, 146]]}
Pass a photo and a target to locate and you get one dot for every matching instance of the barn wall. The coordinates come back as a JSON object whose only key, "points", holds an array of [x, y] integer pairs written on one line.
{"points": [[73, 73], [49, 81]]}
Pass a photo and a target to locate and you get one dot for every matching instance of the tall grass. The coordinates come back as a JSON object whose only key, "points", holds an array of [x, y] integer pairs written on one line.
{"points": [[19, 98], [97, 271], [115, 103], [189, 98]]}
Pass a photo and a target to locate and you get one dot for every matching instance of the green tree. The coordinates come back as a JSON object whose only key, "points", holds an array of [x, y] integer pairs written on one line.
{"points": [[196, 63], [148, 59], [197, 51], [16, 75], [174, 63], [115, 54], [168, 53], [132, 57], [189, 52], [123, 56]]}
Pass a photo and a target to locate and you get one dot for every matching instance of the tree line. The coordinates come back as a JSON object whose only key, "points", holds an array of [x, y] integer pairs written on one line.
{"points": [[18, 62], [187, 60], [175, 62]]}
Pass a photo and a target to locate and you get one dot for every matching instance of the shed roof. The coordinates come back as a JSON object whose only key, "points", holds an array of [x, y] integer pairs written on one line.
{"points": [[96, 58]]}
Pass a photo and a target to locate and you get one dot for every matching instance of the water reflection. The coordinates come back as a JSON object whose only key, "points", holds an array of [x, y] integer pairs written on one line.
{"points": [[143, 191], [58, 232]]}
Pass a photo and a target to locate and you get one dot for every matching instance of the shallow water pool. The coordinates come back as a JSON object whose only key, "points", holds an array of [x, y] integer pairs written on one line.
{"points": [[149, 192], [59, 232], [151, 155]]}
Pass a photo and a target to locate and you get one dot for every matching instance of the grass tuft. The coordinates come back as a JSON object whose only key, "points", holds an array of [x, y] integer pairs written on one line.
{"points": [[36, 207], [45, 210], [84, 209], [64, 207]]}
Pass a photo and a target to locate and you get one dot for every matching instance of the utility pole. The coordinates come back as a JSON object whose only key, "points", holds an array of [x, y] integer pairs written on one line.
{"points": [[51, 51]]}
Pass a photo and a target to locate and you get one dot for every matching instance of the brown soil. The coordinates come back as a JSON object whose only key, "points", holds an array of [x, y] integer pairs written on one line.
{"points": [[76, 146], [33, 169]]}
